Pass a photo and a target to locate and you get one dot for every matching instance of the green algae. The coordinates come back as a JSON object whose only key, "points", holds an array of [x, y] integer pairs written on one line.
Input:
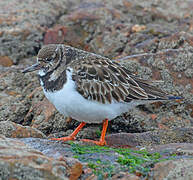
{"points": [[109, 161]]}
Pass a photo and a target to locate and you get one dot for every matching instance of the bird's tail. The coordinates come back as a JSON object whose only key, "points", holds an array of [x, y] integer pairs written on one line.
{"points": [[175, 97]]}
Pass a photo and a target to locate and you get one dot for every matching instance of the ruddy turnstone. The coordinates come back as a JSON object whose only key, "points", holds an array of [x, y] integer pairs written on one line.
{"points": [[90, 88]]}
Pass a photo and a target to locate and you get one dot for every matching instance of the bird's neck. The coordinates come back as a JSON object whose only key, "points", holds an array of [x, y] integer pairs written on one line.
{"points": [[53, 80]]}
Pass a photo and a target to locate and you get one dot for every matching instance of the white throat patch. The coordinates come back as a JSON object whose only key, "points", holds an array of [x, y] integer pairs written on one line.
{"points": [[41, 72]]}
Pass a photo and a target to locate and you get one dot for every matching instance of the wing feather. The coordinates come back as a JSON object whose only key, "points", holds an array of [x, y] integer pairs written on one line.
{"points": [[105, 81]]}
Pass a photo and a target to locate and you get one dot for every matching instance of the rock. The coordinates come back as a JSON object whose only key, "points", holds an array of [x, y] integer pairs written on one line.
{"points": [[75, 169], [5, 61], [173, 169], [125, 176], [14, 110], [138, 28], [43, 113], [114, 29], [156, 137], [167, 66], [104, 160], [106, 28], [21, 34], [19, 161], [160, 50], [13, 130], [179, 167], [178, 149], [69, 35], [100, 26], [13, 88], [122, 140]]}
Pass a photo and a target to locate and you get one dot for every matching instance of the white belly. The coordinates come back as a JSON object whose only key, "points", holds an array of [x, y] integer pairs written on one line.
{"points": [[71, 104]]}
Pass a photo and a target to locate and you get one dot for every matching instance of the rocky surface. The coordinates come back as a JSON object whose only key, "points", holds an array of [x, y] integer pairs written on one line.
{"points": [[153, 39], [149, 138], [19, 161], [173, 169], [34, 158]]}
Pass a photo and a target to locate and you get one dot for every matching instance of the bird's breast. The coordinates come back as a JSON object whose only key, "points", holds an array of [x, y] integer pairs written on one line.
{"points": [[69, 102]]}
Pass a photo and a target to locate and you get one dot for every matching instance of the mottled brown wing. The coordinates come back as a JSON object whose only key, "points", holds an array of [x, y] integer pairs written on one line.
{"points": [[105, 81]]}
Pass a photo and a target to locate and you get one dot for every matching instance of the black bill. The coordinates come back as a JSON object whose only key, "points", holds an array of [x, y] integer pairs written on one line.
{"points": [[32, 68]]}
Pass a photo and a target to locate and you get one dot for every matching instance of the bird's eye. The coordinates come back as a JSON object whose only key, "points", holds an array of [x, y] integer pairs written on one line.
{"points": [[48, 59], [45, 60]]}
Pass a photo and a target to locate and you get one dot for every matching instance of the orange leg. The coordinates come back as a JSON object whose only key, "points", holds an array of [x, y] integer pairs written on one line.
{"points": [[73, 135], [102, 141]]}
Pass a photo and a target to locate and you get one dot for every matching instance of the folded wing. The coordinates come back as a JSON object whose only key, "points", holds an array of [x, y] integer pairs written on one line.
{"points": [[105, 81]]}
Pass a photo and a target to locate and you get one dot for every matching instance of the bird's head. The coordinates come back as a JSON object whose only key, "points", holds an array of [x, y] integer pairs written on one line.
{"points": [[48, 58]]}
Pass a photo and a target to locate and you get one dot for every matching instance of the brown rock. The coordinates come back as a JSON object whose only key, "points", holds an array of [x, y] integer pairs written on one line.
{"points": [[46, 108], [43, 112], [55, 35], [68, 35], [173, 169], [178, 135], [19, 161], [125, 176], [13, 130], [5, 61], [23, 25], [75, 168], [122, 140], [138, 28]]}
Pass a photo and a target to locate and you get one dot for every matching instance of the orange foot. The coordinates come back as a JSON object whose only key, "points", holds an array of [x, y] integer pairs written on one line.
{"points": [[102, 141], [99, 143], [68, 138], [72, 136]]}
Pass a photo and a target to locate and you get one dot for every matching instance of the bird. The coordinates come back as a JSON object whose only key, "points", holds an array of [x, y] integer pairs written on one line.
{"points": [[90, 88]]}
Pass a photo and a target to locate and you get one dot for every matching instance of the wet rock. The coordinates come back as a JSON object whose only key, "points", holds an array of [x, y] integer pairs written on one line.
{"points": [[19, 161], [104, 160], [107, 158], [54, 149], [13, 130]]}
